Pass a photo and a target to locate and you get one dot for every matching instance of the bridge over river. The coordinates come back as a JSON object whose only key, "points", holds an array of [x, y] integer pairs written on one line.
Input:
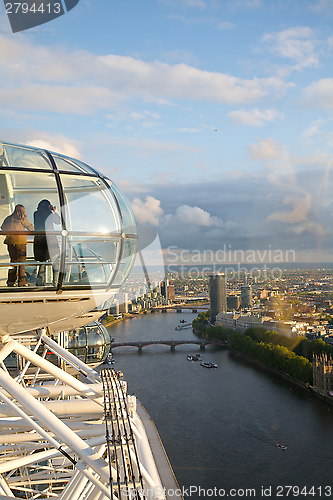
{"points": [[202, 343]]}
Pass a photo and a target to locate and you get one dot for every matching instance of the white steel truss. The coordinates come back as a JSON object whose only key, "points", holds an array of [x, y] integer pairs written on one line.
{"points": [[69, 436]]}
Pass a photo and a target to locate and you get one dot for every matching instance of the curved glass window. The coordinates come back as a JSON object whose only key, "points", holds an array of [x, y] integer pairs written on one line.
{"points": [[127, 260], [77, 230], [126, 212], [90, 343], [64, 164], [25, 158], [87, 201]]}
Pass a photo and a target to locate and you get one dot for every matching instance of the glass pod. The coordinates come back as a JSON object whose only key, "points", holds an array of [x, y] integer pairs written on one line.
{"points": [[65, 226]]}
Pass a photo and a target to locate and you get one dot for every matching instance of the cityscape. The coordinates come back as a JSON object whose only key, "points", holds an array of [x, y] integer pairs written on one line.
{"points": [[166, 264]]}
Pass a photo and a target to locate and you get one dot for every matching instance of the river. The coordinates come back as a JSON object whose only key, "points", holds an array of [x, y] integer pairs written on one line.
{"points": [[220, 427]]}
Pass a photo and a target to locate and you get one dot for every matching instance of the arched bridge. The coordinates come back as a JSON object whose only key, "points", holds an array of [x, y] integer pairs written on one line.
{"points": [[171, 343]]}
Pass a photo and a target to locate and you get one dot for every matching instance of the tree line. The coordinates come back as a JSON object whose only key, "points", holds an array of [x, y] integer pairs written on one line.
{"points": [[289, 355]]}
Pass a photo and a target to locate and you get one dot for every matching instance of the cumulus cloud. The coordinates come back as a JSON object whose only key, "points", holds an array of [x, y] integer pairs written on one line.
{"points": [[320, 94], [40, 139], [197, 217], [255, 117], [59, 145], [296, 44], [148, 211], [300, 207], [53, 80], [265, 149]]}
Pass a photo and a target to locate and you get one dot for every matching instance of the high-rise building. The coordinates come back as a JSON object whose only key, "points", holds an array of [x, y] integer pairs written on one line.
{"points": [[233, 302], [164, 288], [123, 302], [171, 292], [246, 296], [218, 294]]}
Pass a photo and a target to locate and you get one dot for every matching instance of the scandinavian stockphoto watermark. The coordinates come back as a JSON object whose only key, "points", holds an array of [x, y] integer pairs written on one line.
{"points": [[280, 491], [264, 263], [32, 13], [159, 492]]}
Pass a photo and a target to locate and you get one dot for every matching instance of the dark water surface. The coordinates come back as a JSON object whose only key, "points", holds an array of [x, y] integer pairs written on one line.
{"points": [[220, 427]]}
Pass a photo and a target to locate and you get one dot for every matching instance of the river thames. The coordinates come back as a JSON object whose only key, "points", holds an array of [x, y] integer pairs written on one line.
{"points": [[220, 427]]}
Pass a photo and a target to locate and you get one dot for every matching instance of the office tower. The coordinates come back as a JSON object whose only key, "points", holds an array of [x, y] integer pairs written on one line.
{"points": [[246, 296], [164, 288], [114, 308], [233, 302], [123, 302], [218, 294], [171, 292]]}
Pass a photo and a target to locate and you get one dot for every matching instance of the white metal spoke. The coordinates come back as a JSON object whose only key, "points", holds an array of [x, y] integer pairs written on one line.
{"points": [[65, 438]]}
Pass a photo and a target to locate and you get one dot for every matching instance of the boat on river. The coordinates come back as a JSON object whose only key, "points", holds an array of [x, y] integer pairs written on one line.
{"points": [[209, 364]]}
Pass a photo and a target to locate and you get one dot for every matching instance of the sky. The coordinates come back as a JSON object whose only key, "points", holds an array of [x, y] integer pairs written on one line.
{"points": [[214, 117]]}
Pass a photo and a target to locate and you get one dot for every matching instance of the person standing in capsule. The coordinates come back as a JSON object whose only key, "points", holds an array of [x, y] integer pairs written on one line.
{"points": [[17, 244], [46, 245]]}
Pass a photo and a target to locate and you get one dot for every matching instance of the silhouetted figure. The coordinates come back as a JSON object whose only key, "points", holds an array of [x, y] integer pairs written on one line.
{"points": [[17, 243], [46, 244]]}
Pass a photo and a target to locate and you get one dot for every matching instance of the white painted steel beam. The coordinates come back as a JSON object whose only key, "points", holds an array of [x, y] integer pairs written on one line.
{"points": [[36, 458], [67, 379], [60, 408], [89, 372], [52, 423]]}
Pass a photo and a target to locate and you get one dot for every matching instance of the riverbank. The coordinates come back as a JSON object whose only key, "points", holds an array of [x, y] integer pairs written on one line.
{"points": [[221, 427], [293, 380]]}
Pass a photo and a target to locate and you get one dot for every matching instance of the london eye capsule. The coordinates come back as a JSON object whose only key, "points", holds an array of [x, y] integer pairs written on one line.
{"points": [[68, 238]]}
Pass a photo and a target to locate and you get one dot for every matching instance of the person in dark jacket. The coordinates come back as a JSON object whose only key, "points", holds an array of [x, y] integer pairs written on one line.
{"points": [[46, 245], [17, 243]]}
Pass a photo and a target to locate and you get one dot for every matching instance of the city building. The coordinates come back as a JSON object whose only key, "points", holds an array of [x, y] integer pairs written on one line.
{"points": [[164, 288], [323, 373], [123, 302], [217, 294], [171, 292], [114, 308], [241, 322], [246, 296], [233, 302], [167, 290]]}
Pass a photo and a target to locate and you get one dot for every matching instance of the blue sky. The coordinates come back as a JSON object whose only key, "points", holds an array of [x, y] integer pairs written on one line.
{"points": [[213, 116]]}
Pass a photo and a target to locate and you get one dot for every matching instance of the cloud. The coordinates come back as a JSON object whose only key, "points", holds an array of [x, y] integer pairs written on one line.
{"points": [[184, 56], [191, 130], [147, 147], [300, 208], [253, 211], [147, 212], [202, 20], [254, 118], [59, 145], [144, 115], [319, 94], [59, 99], [81, 82], [244, 4], [265, 149], [196, 216], [185, 3], [296, 44], [186, 82], [322, 5], [40, 139]]}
